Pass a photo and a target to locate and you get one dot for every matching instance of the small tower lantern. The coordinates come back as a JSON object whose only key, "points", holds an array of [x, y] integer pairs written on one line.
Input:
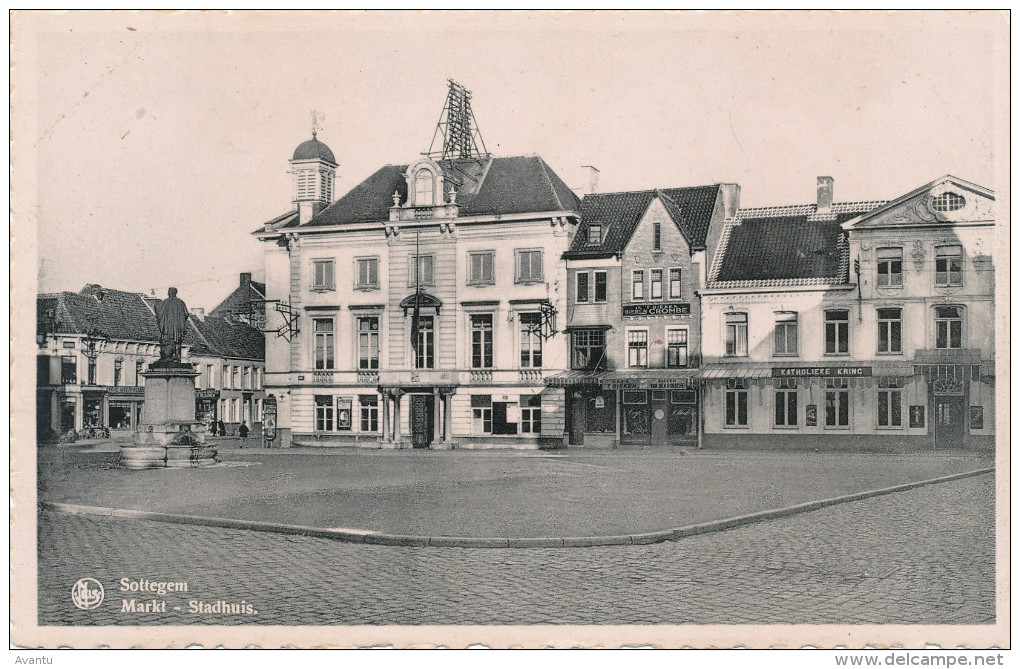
{"points": [[314, 169]]}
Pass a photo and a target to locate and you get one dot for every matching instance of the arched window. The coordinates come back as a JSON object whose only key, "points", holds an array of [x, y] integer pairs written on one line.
{"points": [[424, 189]]}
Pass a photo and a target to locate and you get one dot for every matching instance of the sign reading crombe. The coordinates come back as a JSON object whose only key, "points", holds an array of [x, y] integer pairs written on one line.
{"points": [[645, 384], [779, 372], [664, 309]]}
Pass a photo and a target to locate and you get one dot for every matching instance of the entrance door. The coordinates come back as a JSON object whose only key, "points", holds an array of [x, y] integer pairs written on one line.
{"points": [[949, 421], [422, 420], [660, 417]]}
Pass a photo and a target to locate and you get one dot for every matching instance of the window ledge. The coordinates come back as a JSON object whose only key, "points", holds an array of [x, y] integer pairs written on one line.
{"points": [[322, 289], [478, 284], [889, 428], [786, 427], [836, 355], [837, 428], [529, 282], [889, 354], [786, 355], [736, 427], [367, 287]]}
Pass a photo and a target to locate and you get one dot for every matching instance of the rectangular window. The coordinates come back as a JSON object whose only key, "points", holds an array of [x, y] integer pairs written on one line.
{"points": [[209, 376], [786, 333], [837, 403], [837, 331], [948, 327], [529, 266], [637, 348], [675, 284], [736, 403], [368, 273], [656, 284], [343, 413], [890, 330], [481, 414], [118, 372], [258, 378], [225, 376], [323, 413], [676, 347], [589, 349], [481, 341], [594, 234], [422, 271], [531, 340], [890, 403], [91, 372], [369, 412], [656, 236], [68, 370], [601, 285], [581, 293], [736, 334], [323, 275], [786, 403], [531, 414], [949, 265], [637, 284], [236, 376], [425, 351], [246, 378], [323, 328], [890, 266], [368, 342], [480, 268]]}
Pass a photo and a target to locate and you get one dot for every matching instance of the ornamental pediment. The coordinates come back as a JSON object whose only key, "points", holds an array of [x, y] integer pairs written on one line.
{"points": [[947, 201]]}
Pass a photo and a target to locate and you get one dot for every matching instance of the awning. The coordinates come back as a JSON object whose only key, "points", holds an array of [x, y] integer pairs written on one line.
{"points": [[574, 377], [649, 379], [735, 370], [952, 366]]}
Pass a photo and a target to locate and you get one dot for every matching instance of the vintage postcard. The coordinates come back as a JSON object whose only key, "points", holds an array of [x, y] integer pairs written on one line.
{"points": [[519, 329]]}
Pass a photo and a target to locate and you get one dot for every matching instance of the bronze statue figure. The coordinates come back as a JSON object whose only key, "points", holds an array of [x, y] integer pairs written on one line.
{"points": [[172, 320]]}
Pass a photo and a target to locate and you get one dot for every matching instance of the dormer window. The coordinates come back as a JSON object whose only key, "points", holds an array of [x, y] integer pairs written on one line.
{"points": [[594, 235], [424, 189]]}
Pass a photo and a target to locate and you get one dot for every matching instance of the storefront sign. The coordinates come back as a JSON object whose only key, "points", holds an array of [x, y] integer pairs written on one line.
{"points": [[664, 309], [811, 415], [343, 413], [917, 415], [600, 402], [783, 372], [646, 384]]}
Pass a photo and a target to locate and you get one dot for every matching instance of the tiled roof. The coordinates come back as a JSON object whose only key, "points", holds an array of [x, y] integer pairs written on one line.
{"points": [[227, 338], [237, 302], [516, 185], [785, 246], [620, 213]]}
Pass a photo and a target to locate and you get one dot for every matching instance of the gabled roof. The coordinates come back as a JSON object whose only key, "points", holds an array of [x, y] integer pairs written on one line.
{"points": [[619, 214], [893, 204], [227, 338], [485, 186], [785, 246], [237, 303]]}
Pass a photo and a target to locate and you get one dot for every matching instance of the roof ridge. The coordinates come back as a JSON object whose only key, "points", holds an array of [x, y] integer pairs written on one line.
{"points": [[548, 180], [683, 223]]}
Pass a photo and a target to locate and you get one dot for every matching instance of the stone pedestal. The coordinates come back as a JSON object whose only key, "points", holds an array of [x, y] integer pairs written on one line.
{"points": [[168, 434]]}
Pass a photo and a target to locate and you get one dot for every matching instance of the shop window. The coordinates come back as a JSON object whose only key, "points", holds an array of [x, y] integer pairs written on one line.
{"points": [[890, 403], [682, 397], [368, 342], [425, 350], [786, 333], [655, 276], [69, 370], [837, 403], [890, 266], [948, 327], [481, 341], [890, 330], [121, 414], [531, 340], [323, 275], [368, 273], [368, 406], [837, 331], [600, 413], [601, 285], [421, 271], [675, 284], [676, 347], [531, 414], [581, 293], [589, 349], [324, 344], [660, 395], [637, 348], [480, 268], [529, 266], [736, 334], [481, 414], [118, 372], [949, 265], [786, 403], [736, 403], [635, 413], [343, 413], [323, 413], [637, 291]]}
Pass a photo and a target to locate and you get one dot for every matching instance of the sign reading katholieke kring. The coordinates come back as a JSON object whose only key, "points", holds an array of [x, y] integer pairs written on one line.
{"points": [[779, 372], [664, 309]]}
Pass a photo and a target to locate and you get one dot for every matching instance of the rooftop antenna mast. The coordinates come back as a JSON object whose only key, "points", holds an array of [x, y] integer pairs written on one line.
{"points": [[458, 127]]}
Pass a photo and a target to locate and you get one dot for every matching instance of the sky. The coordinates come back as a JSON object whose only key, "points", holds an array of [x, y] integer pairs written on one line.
{"points": [[160, 141]]}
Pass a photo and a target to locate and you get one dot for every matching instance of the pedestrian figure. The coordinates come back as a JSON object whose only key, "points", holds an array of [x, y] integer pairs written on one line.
{"points": [[213, 428], [243, 432], [223, 429]]}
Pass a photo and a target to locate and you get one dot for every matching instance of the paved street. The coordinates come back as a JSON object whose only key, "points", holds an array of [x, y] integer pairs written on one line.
{"points": [[925, 556]]}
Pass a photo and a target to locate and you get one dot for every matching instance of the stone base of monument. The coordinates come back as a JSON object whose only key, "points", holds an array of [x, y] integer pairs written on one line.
{"points": [[168, 434]]}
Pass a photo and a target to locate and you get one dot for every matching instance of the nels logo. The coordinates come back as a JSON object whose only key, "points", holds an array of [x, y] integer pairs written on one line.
{"points": [[87, 593]]}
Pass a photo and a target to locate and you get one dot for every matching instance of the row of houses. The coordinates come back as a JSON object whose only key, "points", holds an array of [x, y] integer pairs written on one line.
{"points": [[473, 301], [94, 345]]}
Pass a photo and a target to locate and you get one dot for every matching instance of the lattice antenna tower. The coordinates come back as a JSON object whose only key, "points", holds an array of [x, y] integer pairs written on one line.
{"points": [[458, 127]]}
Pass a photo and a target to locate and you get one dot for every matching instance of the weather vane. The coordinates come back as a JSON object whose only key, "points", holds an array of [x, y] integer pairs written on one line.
{"points": [[317, 119]]}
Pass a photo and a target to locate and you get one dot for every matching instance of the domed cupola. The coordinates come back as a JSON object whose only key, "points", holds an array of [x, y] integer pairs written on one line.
{"points": [[314, 169]]}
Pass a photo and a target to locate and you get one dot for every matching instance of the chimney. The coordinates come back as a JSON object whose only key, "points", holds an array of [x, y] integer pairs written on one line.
{"points": [[730, 199], [308, 210], [589, 179], [245, 279], [824, 195], [198, 312]]}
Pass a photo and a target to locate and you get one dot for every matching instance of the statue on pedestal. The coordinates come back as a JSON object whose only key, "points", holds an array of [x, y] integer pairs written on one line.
{"points": [[172, 321]]}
